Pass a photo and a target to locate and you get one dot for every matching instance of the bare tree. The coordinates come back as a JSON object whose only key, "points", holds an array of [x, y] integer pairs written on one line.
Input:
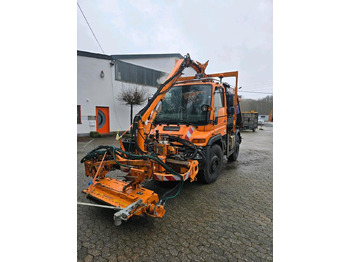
{"points": [[132, 96], [263, 105]]}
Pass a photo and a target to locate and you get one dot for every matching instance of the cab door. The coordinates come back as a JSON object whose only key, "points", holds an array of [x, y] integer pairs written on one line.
{"points": [[220, 112]]}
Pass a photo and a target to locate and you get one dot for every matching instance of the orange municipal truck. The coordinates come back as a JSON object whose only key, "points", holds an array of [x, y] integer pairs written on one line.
{"points": [[184, 132]]}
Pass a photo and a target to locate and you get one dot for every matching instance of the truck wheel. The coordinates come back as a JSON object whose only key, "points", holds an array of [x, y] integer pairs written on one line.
{"points": [[213, 165], [234, 156]]}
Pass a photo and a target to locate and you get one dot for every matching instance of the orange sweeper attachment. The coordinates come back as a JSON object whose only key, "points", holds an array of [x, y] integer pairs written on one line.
{"points": [[183, 133]]}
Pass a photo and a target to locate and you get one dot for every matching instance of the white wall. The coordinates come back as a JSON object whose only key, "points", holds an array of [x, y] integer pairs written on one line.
{"points": [[96, 91], [165, 64]]}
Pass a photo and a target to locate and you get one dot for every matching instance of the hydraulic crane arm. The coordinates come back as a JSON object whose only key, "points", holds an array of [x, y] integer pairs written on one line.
{"points": [[143, 120]]}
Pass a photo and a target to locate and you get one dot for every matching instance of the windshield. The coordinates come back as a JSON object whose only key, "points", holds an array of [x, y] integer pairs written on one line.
{"points": [[182, 105]]}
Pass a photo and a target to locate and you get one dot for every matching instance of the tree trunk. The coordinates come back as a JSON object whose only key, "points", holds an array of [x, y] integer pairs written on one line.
{"points": [[130, 114]]}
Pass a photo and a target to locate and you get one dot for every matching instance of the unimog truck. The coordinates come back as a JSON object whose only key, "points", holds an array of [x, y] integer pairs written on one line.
{"points": [[183, 133]]}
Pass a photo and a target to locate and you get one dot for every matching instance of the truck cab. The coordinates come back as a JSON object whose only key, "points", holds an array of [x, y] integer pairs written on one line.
{"points": [[202, 112]]}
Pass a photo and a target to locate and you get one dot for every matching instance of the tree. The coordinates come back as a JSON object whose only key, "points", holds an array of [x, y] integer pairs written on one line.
{"points": [[263, 105], [132, 96]]}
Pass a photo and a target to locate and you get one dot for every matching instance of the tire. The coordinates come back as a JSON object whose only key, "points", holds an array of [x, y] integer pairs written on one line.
{"points": [[213, 166], [235, 154], [253, 129]]}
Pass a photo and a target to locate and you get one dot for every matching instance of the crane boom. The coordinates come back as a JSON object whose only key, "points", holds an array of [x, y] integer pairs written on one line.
{"points": [[143, 120]]}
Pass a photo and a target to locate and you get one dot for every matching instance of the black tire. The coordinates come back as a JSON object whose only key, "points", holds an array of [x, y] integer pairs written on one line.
{"points": [[235, 154], [253, 129], [213, 165]]}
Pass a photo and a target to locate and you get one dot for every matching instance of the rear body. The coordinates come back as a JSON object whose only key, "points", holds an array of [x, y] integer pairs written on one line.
{"points": [[250, 120]]}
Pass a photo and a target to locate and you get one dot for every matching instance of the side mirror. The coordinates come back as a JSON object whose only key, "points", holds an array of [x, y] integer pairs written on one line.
{"points": [[230, 100], [231, 110], [230, 103]]}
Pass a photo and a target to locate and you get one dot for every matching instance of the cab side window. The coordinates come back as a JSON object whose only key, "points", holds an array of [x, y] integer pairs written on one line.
{"points": [[218, 99]]}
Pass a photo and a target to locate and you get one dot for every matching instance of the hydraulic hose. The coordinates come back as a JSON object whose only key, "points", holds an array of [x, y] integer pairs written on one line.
{"points": [[186, 143], [155, 158]]}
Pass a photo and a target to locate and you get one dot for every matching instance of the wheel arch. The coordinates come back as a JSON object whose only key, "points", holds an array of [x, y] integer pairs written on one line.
{"points": [[215, 140]]}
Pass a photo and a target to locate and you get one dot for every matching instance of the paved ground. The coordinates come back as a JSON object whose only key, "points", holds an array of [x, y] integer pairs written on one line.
{"points": [[229, 220]]}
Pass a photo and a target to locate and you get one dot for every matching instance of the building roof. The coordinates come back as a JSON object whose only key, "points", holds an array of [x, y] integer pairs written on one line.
{"points": [[135, 56], [94, 55], [129, 56]]}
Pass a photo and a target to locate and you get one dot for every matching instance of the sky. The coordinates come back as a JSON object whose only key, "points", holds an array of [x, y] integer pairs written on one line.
{"points": [[232, 35]]}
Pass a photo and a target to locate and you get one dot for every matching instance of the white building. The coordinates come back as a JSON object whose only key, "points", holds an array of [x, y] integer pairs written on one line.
{"points": [[100, 79]]}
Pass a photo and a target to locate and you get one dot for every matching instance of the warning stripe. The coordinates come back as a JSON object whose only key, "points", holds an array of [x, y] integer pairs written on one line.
{"points": [[171, 177], [189, 133]]}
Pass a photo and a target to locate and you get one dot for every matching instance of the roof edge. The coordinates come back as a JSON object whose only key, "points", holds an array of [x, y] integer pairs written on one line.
{"points": [[126, 56], [135, 56], [94, 55]]}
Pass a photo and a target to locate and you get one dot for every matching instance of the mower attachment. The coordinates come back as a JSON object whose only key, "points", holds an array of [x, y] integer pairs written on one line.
{"points": [[128, 201], [129, 198]]}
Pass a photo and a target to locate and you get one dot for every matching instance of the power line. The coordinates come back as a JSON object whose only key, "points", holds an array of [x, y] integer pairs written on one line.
{"points": [[255, 92], [259, 89], [257, 86], [90, 28], [258, 83]]}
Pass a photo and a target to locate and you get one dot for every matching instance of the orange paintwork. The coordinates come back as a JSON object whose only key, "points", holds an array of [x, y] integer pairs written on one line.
{"points": [[121, 194], [271, 116], [111, 192]]}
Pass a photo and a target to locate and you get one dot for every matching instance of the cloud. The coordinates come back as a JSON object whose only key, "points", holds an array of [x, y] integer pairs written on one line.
{"points": [[233, 35]]}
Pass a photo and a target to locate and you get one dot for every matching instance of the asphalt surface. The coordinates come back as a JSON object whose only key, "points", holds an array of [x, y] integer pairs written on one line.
{"points": [[229, 220]]}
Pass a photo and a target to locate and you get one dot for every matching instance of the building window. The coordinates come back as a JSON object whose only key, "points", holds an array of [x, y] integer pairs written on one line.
{"points": [[137, 74], [79, 115]]}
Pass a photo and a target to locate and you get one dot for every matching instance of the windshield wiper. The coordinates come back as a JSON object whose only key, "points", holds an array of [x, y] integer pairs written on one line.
{"points": [[187, 123], [164, 121], [174, 122]]}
